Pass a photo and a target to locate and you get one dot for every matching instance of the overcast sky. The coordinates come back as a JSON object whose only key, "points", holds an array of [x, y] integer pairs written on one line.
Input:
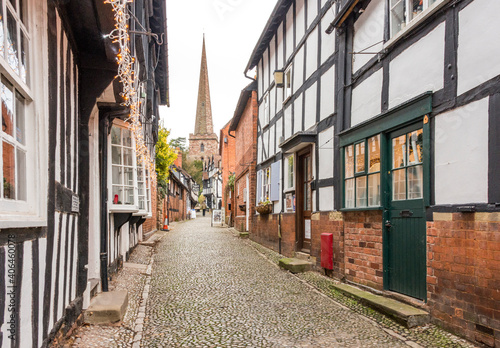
{"points": [[232, 28]]}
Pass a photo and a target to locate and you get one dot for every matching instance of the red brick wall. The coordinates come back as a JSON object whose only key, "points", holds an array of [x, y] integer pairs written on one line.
{"points": [[240, 216], [329, 222], [463, 274], [228, 155], [363, 248], [151, 224]]}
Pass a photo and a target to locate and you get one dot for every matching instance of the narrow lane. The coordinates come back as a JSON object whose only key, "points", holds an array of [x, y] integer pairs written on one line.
{"points": [[210, 289]]}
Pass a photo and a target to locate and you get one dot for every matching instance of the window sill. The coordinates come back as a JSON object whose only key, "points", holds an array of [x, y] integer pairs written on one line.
{"points": [[416, 22], [22, 222], [361, 209], [289, 190], [119, 209]]}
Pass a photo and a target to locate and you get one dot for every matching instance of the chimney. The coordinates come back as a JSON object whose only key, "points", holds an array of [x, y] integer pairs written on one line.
{"points": [[178, 161]]}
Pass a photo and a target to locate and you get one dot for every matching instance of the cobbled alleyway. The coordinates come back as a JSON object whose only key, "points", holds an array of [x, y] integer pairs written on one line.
{"points": [[210, 289]]}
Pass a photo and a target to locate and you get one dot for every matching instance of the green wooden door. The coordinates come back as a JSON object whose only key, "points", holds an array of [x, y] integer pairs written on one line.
{"points": [[405, 224]]}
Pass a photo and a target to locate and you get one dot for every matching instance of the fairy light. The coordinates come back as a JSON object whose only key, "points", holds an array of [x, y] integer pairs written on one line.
{"points": [[127, 73]]}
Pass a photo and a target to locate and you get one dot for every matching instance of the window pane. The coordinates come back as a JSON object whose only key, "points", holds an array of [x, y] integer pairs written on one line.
{"points": [[24, 59], [117, 195], [360, 157], [128, 157], [399, 185], [399, 152], [140, 187], [374, 154], [7, 107], [361, 191], [307, 197], [128, 176], [129, 195], [417, 7], [349, 162], [116, 155], [9, 171], [374, 190], [142, 205], [117, 175], [12, 43], [127, 138], [20, 119], [415, 182], [349, 193], [415, 147], [290, 172], [116, 135], [21, 175], [398, 16]]}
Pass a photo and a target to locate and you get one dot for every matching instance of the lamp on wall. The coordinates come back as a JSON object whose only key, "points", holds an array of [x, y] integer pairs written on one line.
{"points": [[278, 78]]}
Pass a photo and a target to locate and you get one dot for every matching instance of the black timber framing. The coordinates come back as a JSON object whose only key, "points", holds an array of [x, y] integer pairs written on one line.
{"points": [[494, 150]]}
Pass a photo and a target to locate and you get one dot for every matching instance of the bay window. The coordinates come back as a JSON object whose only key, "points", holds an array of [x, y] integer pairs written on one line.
{"points": [[122, 166], [402, 12]]}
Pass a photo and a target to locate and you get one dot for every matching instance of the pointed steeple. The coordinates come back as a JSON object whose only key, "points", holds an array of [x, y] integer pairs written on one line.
{"points": [[203, 123]]}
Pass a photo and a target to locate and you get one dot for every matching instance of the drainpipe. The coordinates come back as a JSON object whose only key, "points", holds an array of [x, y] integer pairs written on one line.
{"points": [[103, 151]]}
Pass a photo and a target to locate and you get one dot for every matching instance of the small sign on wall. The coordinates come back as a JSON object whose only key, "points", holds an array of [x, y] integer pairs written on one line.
{"points": [[290, 206], [75, 204], [307, 229]]}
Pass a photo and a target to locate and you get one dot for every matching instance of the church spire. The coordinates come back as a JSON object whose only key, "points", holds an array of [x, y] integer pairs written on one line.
{"points": [[203, 123]]}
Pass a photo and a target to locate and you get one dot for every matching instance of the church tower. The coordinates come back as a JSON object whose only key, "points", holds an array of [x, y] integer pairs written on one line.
{"points": [[203, 144]]}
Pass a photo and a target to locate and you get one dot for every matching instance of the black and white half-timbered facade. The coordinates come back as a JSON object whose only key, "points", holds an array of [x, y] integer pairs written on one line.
{"points": [[57, 66], [379, 123]]}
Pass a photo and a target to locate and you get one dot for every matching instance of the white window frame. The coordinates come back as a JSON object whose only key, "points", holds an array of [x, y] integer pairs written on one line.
{"points": [[266, 184], [289, 187], [429, 10], [288, 83], [31, 212], [147, 189], [122, 208]]}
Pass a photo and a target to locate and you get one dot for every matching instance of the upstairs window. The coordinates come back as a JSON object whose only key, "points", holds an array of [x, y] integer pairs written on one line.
{"points": [[404, 11], [202, 148], [289, 170], [122, 166], [287, 90]]}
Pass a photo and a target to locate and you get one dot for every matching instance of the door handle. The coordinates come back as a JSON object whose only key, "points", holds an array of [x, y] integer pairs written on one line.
{"points": [[388, 224]]}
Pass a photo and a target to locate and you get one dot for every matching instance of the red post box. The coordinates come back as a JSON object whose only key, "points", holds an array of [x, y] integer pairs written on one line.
{"points": [[327, 250]]}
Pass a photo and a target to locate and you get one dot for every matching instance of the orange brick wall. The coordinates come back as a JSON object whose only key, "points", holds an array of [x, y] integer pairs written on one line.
{"points": [[329, 222], [228, 153], [240, 216], [151, 224], [363, 248], [463, 274]]}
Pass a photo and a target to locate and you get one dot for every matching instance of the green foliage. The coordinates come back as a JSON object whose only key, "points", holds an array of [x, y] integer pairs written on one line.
{"points": [[193, 168], [180, 143], [230, 182], [165, 157]]}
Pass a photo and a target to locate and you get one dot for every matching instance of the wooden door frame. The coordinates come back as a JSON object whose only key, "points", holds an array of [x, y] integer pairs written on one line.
{"points": [[299, 194]]}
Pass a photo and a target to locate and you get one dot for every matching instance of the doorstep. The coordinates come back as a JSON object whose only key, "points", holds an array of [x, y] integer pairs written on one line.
{"points": [[401, 312], [107, 307], [295, 265]]}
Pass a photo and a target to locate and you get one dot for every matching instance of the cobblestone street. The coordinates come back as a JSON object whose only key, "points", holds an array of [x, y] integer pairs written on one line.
{"points": [[208, 288]]}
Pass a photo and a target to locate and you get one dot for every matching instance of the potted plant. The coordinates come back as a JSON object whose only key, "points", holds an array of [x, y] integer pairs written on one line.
{"points": [[265, 207]]}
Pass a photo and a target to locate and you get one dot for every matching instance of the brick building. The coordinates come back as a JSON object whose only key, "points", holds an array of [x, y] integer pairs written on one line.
{"points": [[227, 152], [244, 126], [203, 143]]}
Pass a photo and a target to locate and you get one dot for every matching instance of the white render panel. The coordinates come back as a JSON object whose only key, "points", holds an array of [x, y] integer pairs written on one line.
{"points": [[367, 99], [461, 154], [272, 61], [272, 141], [312, 53], [478, 44], [25, 327], [310, 106], [279, 99], [326, 153], [280, 47], [62, 256], [312, 11], [300, 18], [368, 31], [327, 102], [288, 122], [298, 70], [42, 257], [265, 69], [418, 69], [326, 198], [289, 33], [260, 78], [327, 40], [265, 145], [53, 272], [279, 133], [272, 103], [259, 149], [297, 115], [261, 115]]}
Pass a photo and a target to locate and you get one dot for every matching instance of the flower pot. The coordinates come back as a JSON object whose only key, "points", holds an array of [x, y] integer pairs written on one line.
{"points": [[243, 207], [264, 209]]}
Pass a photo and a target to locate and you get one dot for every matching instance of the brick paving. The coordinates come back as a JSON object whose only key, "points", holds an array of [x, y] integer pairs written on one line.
{"points": [[210, 289]]}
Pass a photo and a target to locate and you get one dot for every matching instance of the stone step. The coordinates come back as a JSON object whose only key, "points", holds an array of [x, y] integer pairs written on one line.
{"points": [[399, 311], [295, 265], [305, 256], [107, 307], [244, 235]]}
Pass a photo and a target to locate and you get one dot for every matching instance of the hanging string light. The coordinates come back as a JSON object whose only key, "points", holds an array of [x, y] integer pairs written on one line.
{"points": [[130, 81]]}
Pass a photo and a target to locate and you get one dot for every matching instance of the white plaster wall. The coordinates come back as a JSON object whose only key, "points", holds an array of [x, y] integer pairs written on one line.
{"points": [[272, 61], [310, 106], [367, 99], [326, 198], [260, 78], [418, 69], [94, 201], [288, 122], [297, 115], [326, 153], [272, 103], [42, 251], [279, 133], [478, 44], [461, 154], [289, 33], [265, 144], [300, 8], [60, 282], [312, 11], [327, 40], [298, 70], [25, 325], [280, 47], [259, 149], [265, 69], [368, 30], [272, 141], [279, 99], [312, 53], [327, 102], [323, 3], [261, 114]]}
